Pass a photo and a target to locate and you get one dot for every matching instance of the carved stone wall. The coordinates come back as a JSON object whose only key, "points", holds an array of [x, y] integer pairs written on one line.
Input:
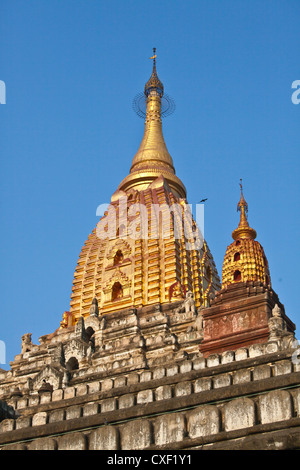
{"points": [[243, 399]]}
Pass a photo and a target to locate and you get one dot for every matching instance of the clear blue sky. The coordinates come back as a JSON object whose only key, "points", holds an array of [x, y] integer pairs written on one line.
{"points": [[68, 132]]}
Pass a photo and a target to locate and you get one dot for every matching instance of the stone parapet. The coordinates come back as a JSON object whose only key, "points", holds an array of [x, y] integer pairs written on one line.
{"points": [[232, 392]]}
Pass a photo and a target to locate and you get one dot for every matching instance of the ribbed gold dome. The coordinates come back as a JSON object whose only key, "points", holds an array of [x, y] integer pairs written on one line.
{"points": [[244, 259], [145, 271], [123, 270]]}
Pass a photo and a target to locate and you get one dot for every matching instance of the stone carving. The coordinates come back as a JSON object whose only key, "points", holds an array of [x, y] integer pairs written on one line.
{"points": [[276, 323], [45, 387], [75, 348], [26, 343], [50, 375], [65, 379], [103, 323], [58, 355], [91, 348], [188, 306], [278, 328], [276, 312], [80, 331], [94, 309], [198, 324]]}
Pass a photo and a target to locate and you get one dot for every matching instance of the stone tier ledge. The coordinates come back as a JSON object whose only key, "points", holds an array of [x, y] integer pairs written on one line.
{"points": [[134, 384], [149, 410], [250, 438]]}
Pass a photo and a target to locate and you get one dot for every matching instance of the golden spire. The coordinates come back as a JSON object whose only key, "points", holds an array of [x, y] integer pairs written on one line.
{"points": [[152, 158], [244, 230], [244, 259]]}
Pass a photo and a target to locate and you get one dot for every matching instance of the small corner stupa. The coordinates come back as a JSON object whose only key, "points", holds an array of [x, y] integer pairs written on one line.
{"points": [[240, 313]]}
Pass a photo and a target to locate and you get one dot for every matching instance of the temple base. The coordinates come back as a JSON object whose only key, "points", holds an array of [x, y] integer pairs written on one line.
{"points": [[240, 316]]}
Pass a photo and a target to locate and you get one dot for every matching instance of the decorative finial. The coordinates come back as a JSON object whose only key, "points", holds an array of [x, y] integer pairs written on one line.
{"points": [[154, 56], [153, 86], [243, 230], [94, 309], [154, 83], [242, 204]]}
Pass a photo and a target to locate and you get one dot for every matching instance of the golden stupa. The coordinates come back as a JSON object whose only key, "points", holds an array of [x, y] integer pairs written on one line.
{"points": [[245, 259], [123, 270]]}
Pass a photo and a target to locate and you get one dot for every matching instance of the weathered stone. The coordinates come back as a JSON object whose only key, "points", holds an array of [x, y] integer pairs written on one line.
{"points": [[126, 401], [133, 379], [107, 384], [22, 403], [203, 384], [239, 414], [39, 419], [282, 367], [256, 350], [56, 416], [186, 367], [136, 435], [171, 370], [241, 376], [72, 441], [227, 356], [94, 387], [169, 428], [183, 388], [42, 444], [57, 394], [33, 400], [275, 406], [164, 392], [81, 390], [261, 372], [23, 422], [46, 397], [271, 347], [15, 447], [203, 421], [109, 404], [7, 425], [159, 373], [199, 363], [146, 376], [296, 401], [120, 381], [213, 360], [222, 380], [73, 412], [241, 354], [90, 409], [69, 392], [144, 396], [104, 438]]}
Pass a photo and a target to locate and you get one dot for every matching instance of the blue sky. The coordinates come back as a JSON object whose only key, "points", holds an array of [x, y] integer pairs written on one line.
{"points": [[68, 132]]}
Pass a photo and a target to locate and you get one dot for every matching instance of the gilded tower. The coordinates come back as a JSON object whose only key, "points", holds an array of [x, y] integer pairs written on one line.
{"points": [[147, 248], [242, 311], [244, 259]]}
